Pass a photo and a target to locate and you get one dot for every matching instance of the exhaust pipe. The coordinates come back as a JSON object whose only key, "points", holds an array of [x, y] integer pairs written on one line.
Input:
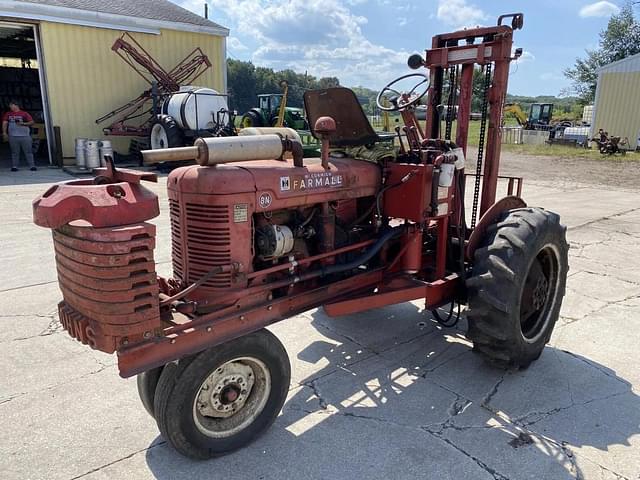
{"points": [[218, 150]]}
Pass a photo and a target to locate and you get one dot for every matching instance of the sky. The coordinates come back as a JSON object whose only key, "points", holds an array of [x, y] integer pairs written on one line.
{"points": [[367, 42]]}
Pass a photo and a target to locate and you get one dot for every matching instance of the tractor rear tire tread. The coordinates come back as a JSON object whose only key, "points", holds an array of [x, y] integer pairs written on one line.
{"points": [[501, 265]]}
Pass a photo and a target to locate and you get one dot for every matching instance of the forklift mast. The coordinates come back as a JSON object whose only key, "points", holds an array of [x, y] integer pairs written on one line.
{"points": [[457, 54]]}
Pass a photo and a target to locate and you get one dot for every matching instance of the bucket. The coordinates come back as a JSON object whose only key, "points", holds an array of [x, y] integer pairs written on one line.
{"points": [[106, 150], [92, 154], [81, 160]]}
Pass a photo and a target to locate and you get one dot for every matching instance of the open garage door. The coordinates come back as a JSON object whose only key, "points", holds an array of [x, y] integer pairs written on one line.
{"points": [[21, 80]]}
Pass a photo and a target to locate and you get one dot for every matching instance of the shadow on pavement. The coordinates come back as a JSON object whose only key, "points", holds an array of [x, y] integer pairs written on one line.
{"points": [[401, 397]]}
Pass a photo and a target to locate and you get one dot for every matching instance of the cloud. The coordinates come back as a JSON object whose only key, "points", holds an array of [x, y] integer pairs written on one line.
{"points": [[323, 37], [234, 43], [526, 56], [551, 76], [458, 13], [195, 6], [599, 9]]}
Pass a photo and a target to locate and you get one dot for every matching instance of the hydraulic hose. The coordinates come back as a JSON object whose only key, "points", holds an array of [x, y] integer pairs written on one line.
{"points": [[361, 260]]}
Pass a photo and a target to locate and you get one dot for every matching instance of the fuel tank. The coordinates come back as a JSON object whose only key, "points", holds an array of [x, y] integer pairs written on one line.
{"points": [[212, 210]]}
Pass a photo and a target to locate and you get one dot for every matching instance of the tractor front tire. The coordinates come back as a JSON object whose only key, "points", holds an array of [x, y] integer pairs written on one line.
{"points": [[516, 287], [223, 398], [147, 383], [274, 122], [165, 133]]}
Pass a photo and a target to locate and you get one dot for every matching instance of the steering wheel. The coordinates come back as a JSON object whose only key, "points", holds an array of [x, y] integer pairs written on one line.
{"points": [[401, 100]]}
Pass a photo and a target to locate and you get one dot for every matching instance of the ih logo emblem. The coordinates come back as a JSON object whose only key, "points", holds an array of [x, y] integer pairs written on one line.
{"points": [[285, 184]]}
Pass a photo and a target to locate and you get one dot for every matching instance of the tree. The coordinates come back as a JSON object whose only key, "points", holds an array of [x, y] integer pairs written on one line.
{"points": [[328, 82], [619, 40], [247, 81], [242, 85]]}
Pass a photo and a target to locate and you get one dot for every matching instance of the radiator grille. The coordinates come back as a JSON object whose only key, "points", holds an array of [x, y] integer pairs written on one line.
{"points": [[176, 239], [207, 238]]}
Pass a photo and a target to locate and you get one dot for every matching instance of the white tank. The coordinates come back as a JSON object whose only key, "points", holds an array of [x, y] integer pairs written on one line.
{"points": [[576, 131], [196, 108]]}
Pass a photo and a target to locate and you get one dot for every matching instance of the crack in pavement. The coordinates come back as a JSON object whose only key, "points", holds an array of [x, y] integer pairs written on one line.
{"points": [[485, 402], [102, 365], [572, 460], [608, 275], [335, 411], [579, 256], [616, 474], [460, 404], [542, 415], [28, 286], [344, 336], [316, 391], [370, 348], [494, 473], [593, 365], [606, 217], [97, 469], [607, 304], [53, 327]]}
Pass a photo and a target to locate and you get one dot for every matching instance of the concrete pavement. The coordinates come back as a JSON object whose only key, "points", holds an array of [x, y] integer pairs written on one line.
{"points": [[382, 394]]}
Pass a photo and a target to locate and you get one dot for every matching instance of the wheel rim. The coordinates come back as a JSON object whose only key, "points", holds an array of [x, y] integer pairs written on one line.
{"points": [[539, 294], [247, 122], [159, 137], [231, 397]]}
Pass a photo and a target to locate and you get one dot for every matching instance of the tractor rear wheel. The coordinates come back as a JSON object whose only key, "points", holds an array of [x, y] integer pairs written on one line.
{"points": [[516, 287], [223, 398], [251, 119], [165, 133]]}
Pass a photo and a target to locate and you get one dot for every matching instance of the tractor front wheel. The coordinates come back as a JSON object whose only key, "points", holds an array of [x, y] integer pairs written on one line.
{"points": [[147, 383], [223, 398], [516, 287]]}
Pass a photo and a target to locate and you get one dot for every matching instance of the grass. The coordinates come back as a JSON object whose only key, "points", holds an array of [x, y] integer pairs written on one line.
{"points": [[564, 151], [560, 151]]}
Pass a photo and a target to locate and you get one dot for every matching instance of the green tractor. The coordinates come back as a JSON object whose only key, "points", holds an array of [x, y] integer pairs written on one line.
{"points": [[272, 111]]}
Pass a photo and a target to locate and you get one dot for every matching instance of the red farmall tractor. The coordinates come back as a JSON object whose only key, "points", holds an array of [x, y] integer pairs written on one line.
{"points": [[260, 234]]}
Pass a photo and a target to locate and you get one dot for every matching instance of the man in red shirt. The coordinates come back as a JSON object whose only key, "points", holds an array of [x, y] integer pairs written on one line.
{"points": [[15, 129]]}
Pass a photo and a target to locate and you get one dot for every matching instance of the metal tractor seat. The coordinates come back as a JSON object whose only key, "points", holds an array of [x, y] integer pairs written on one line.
{"points": [[352, 126]]}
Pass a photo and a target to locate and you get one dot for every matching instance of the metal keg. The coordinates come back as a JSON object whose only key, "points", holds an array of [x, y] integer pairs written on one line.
{"points": [[106, 150], [81, 159], [92, 154]]}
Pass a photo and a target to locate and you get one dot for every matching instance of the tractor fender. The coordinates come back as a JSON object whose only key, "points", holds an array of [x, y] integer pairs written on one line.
{"points": [[489, 218]]}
